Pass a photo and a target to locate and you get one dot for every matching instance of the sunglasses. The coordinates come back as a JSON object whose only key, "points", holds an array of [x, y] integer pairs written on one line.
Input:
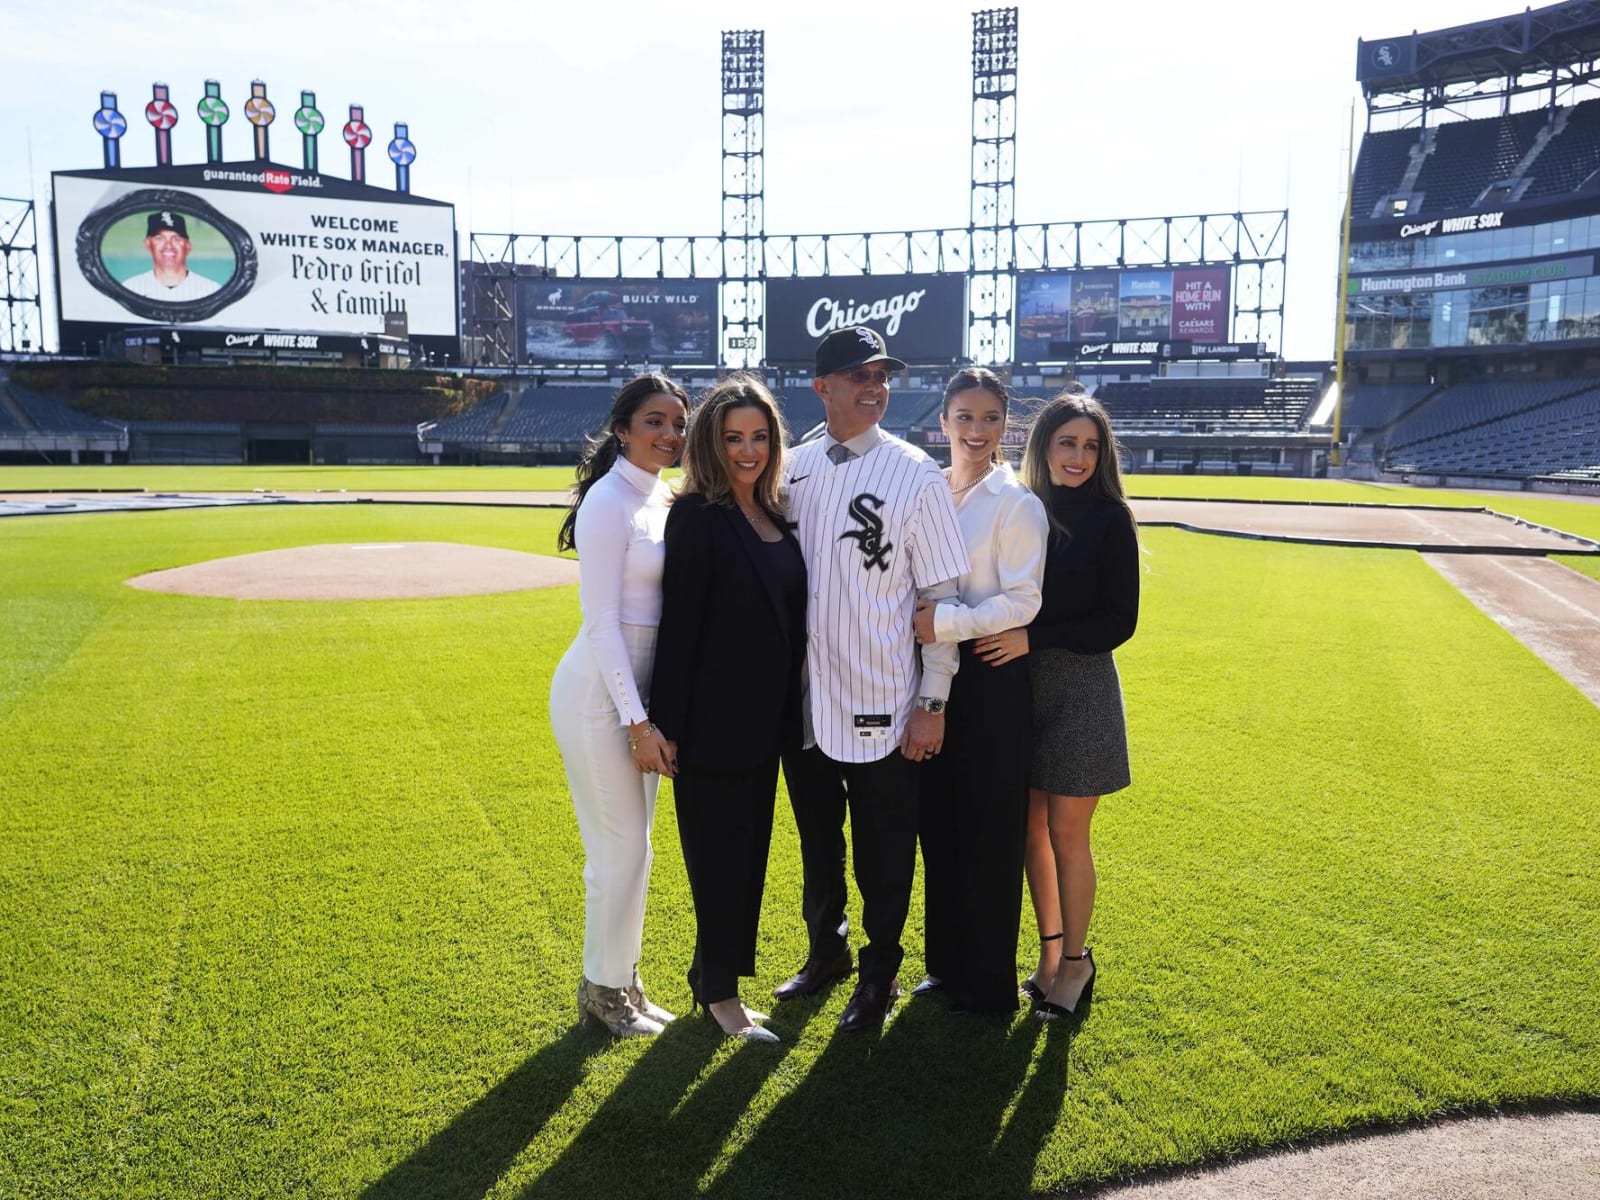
{"points": [[863, 375]]}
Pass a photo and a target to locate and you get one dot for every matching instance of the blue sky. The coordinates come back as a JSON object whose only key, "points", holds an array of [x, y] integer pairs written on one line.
{"points": [[603, 117]]}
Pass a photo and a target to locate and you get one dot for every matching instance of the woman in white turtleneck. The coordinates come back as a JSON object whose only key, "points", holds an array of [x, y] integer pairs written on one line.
{"points": [[614, 756]]}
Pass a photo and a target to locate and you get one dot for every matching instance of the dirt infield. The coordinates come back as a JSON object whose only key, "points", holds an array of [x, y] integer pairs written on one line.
{"points": [[364, 571], [1550, 608], [1493, 1158], [1390, 525]]}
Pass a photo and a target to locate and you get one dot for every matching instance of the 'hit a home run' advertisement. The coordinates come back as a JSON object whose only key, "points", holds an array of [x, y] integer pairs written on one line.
{"points": [[249, 245]]}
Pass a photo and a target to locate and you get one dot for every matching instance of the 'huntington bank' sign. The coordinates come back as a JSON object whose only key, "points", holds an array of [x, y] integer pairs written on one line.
{"points": [[1472, 277]]}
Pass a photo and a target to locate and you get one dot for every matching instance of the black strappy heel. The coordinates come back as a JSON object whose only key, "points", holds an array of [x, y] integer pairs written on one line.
{"points": [[1028, 987], [1046, 1011]]}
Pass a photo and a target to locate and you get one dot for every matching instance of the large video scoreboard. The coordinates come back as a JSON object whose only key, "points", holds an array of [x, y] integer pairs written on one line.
{"points": [[1072, 315], [249, 245]]}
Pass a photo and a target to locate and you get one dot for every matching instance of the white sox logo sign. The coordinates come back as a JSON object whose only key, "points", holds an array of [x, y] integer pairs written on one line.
{"points": [[874, 550]]}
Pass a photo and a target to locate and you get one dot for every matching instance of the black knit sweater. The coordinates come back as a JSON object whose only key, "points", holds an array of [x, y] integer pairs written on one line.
{"points": [[1091, 578]]}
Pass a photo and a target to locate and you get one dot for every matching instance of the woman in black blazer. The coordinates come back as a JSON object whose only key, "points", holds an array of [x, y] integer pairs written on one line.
{"points": [[726, 683]]}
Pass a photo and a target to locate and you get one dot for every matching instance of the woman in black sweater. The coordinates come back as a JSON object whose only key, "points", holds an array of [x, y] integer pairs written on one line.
{"points": [[1091, 606]]}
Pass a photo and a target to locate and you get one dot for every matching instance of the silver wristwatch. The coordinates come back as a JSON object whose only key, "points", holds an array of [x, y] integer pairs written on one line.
{"points": [[930, 704]]}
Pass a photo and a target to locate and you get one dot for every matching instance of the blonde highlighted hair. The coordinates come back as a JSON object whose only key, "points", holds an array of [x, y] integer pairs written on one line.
{"points": [[705, 461]]}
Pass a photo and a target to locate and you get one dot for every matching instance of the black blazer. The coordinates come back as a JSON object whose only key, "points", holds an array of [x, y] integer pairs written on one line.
{"points": [[726, 681]]}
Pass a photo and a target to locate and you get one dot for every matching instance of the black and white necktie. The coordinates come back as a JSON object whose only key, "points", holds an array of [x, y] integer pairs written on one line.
{"points": [[839, 454]]}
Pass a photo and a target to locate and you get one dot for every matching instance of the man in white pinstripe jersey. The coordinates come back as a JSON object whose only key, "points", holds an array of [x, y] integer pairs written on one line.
{"points": [[878, 530]]}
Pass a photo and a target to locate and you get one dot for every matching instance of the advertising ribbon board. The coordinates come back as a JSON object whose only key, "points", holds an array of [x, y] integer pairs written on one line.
{"points": [[1064, 315], [614, 321]]}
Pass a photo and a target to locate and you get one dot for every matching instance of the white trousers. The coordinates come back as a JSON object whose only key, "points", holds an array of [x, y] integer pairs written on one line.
{"points": [[615, 803]]}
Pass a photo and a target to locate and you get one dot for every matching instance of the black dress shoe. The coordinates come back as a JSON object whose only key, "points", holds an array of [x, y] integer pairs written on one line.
{"points": [[814, 976], [928, 986], [869, 1006]]}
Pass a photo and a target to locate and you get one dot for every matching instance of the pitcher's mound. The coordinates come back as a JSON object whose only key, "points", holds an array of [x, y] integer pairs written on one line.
{"points": [[365, 571]]}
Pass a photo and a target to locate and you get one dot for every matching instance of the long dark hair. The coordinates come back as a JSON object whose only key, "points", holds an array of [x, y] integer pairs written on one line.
{"points": [[983, 379], [600, 455], [705, 465], [1106, 482]]}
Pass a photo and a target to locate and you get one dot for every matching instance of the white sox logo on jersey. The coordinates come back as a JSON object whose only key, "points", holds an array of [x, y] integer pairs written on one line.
{"points": [[874, 550]]}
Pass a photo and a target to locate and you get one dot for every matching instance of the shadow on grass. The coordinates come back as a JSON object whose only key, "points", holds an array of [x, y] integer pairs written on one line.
{"points": [[466, 1158], [659, 1131], [941, 1104]]}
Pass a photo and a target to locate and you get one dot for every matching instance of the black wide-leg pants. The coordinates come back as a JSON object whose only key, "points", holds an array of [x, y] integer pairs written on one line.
{"points": [[972, 826], [725, 826], [882, 800]]}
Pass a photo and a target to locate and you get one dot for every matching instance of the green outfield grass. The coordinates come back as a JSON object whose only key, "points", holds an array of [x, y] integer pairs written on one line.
{"points": [[290, 901], [289, 479]]}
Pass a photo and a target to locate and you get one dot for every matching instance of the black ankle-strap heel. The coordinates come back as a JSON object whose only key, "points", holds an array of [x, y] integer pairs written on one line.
{"points": [[1046, 1011], [1029, 988]]}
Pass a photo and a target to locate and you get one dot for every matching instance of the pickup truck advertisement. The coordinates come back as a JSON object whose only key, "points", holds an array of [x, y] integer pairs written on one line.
{"points": [[617, 321]]}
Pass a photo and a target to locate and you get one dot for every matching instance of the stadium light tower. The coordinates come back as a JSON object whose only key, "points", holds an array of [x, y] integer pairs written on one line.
{"points": [[23, 327], [744, 76], [992, 221]]}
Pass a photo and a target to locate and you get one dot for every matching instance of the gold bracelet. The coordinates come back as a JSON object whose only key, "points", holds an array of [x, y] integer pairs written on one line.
{"points": [[649, 728]]}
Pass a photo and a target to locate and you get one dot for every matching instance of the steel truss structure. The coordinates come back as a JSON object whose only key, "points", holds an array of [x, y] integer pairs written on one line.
{"points": [[1552, 51], [1254, 244], [744, 75], [23, 328], [992, 215], [989, 251]]}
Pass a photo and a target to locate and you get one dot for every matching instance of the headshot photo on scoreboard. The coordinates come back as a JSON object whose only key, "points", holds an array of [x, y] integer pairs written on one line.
{"points": [[166, 255]]}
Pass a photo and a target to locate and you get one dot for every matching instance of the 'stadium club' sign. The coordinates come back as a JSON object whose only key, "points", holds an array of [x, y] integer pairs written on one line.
{"points": [[250, 246], [923, 317]]}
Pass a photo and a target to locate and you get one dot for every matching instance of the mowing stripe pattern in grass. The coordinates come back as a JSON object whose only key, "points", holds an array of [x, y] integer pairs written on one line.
{"points": [[290, 900]]}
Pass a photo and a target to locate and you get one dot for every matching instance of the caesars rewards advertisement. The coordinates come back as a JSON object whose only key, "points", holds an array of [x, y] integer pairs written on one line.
{"points": [[230, 245]]}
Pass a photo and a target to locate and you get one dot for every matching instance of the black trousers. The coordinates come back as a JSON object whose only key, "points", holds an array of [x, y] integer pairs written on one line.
{"points": [[973, 825], [725, 827], [882, 801]]}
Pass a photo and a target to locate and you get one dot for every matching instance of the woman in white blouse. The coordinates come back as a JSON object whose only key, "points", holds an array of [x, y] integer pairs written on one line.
{"points": [[613, 755], [974, 800]]}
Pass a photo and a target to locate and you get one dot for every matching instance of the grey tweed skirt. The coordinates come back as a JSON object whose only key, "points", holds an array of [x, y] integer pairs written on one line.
{"points": [[1080, 733]]}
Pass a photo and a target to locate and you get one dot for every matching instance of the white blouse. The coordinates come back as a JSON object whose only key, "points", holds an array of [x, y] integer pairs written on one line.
{"points": [[1006, 531], [621, 526]]}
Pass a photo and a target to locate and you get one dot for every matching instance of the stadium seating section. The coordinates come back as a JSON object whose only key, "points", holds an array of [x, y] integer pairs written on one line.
{"points": [[1469, 404], [1377, 406], [1465, 157], [1470, 155], [1244, 405], [563, 415], [1570, 158], [1382, 165], [1542, 428], [566, 414], [472, 425], [44, 415]]}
